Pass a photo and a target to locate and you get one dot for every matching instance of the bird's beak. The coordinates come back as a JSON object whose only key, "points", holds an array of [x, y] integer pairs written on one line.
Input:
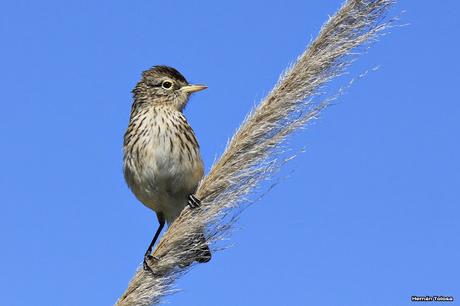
{"points": [[193, 88]]}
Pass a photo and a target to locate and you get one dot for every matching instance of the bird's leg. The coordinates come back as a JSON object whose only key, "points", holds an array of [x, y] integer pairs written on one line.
{"points": [[147, 255], [193, 202]]}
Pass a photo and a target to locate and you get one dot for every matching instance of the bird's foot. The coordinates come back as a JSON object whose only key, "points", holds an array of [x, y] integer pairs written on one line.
{"points": [[147, 259], [193, 202]]}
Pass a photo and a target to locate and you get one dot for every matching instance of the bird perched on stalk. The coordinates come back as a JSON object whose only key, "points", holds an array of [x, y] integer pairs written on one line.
{"points": [[162, 163]]}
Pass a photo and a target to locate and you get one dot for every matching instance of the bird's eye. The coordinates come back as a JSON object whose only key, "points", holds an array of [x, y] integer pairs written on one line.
{"points": [[167, 84]]}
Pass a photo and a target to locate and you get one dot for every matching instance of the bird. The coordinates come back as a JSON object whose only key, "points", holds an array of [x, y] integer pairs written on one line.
{"points": [[162, 164]]}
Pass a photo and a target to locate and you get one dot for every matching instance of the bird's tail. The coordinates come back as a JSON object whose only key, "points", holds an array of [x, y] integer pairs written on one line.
{"points": [[203, 253]]}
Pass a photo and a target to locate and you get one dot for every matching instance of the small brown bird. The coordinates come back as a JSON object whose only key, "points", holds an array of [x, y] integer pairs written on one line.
{"points": [[162, 163]]}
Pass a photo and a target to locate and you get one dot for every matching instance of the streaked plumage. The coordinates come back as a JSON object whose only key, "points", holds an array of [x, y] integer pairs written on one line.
{"points": [[162, 163]]}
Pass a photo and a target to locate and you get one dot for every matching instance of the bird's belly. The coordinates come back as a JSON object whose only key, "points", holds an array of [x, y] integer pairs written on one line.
{"points": [[162, 179]]}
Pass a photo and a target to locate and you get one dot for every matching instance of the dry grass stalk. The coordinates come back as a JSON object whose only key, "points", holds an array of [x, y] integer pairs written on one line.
{"points": [[254, 153]]}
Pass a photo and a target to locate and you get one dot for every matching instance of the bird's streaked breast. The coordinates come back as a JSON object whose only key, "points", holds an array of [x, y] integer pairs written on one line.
{"points": [[161, 156]]}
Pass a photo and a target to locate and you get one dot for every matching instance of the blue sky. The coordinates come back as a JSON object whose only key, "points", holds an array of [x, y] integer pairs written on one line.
{"points": [[369, 215]]}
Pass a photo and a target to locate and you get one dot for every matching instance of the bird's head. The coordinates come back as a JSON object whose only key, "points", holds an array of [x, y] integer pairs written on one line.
{"points": [[165, 86]]}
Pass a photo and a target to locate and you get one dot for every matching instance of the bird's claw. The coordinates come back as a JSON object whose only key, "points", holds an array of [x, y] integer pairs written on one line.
{"points": [[148, 258], [193, 202]]}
